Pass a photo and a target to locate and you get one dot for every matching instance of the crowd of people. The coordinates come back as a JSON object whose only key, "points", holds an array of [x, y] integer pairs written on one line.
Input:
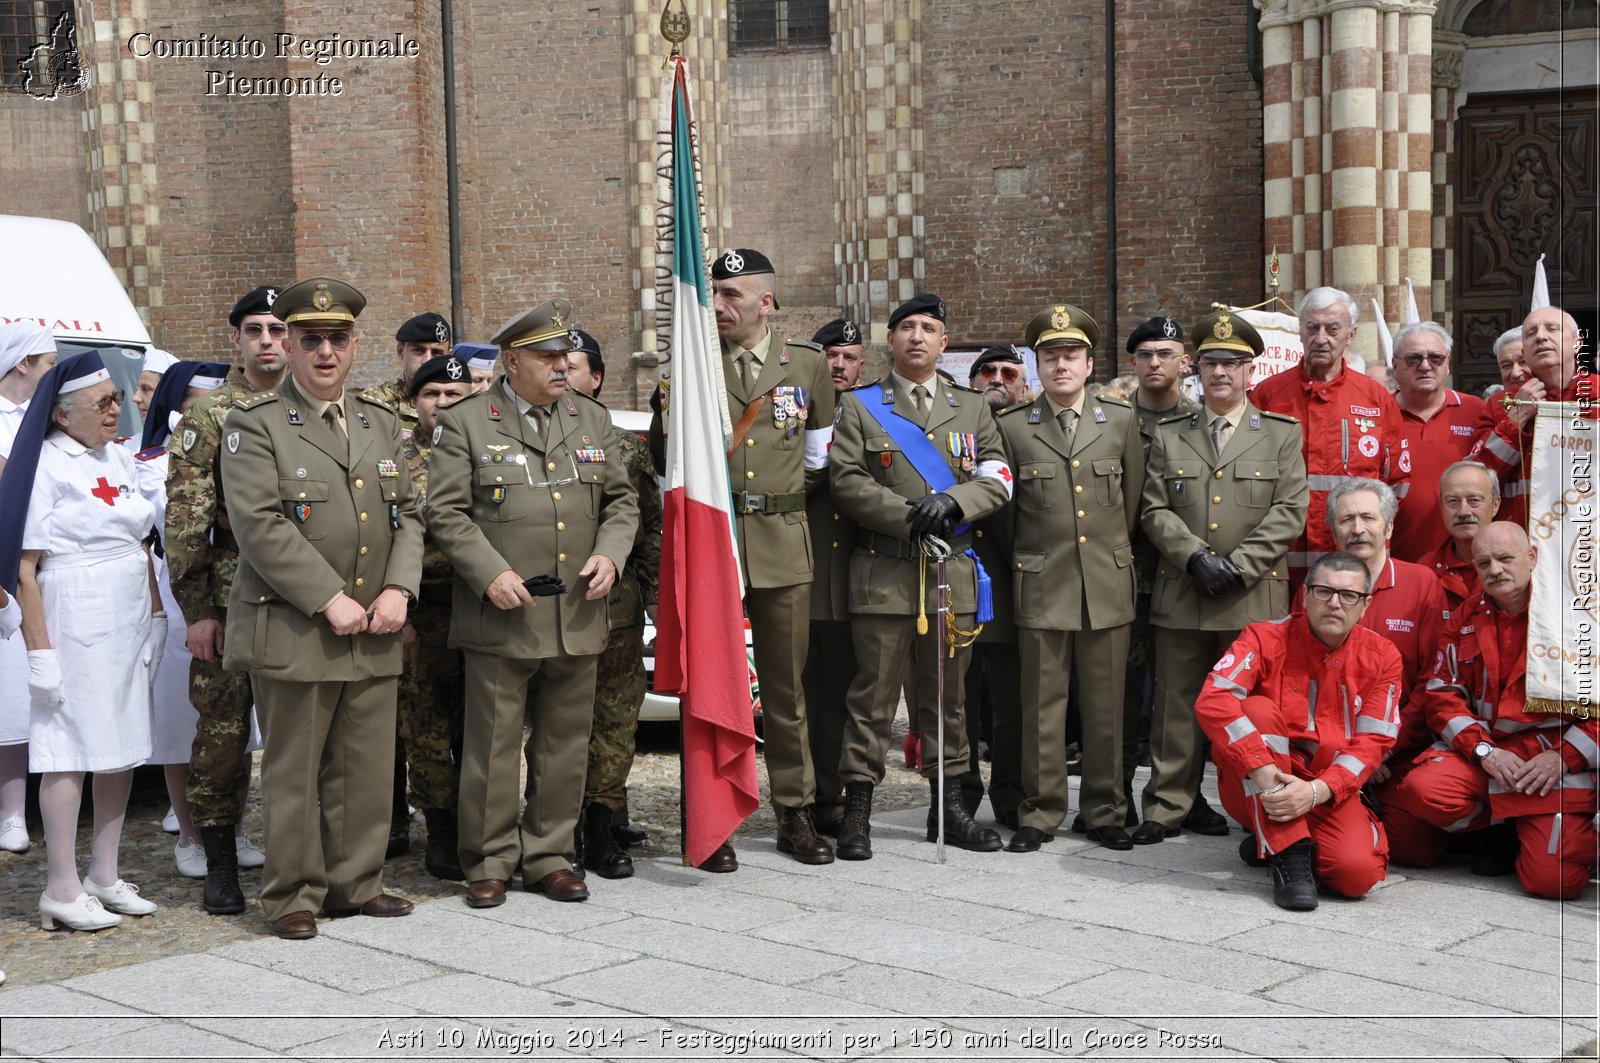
{"points": [[403, 595]]}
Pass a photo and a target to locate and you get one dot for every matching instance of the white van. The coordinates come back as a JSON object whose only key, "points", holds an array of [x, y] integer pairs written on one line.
{"points": [[52, 273]]}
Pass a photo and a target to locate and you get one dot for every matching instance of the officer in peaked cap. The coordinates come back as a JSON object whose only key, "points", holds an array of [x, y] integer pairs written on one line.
{"points": [[330, 551], [419, 339], [1062, 323], [527, 493], [1230, 478]]}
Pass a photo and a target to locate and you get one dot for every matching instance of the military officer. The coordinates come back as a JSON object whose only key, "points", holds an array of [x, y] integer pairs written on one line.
{"points": [[913, 456], [202, 556], [430, 697], [620, 679], [419, 339], [831, 654], [780, 394], [1079, 465], [526, 496], [1225, 497], [330, 551]]}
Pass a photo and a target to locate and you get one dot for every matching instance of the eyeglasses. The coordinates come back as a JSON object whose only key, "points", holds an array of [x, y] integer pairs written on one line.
{"points": [[1348, 599], [564, 481], [1154, 355], [311, 342], [277, 332], [1414, 361], [113, 399], [1009, 373]]}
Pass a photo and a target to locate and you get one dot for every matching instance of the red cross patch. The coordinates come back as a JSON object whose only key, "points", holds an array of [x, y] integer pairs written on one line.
{"points": [[105, 492]]}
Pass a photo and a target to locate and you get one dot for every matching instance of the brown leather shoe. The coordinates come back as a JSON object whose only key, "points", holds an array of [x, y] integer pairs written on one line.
{"points": [[561, 885], [296, 926], [383, 906], [486, 893], [798, 837], [721, 862]]}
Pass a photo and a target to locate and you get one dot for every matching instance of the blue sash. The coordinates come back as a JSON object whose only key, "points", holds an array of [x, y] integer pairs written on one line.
{"points": [[935, 471]]}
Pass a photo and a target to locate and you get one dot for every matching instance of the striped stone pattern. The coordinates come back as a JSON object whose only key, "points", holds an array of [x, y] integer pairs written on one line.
{"points": [[119, 135]]}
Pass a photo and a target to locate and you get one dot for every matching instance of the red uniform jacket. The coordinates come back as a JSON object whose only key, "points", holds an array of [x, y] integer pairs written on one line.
{"points": [[1457, 578], [1340, 707], [1428, 449], [1408, 609], [1477, 694], [1350, 427], [1508, 450]]}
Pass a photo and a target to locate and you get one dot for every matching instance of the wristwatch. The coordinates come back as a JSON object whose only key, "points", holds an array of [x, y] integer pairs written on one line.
{"points": [[1481, 751]]}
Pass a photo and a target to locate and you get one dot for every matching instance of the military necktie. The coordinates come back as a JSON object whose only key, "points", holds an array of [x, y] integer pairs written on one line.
{"points": [[1069, 423], [919, 395], [1221, 429], [335, 420], [745, 358], [536, 415]]}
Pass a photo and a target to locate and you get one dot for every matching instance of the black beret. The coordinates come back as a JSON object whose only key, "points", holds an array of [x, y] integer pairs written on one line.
{"points": [[424, 328], [1001, 353], [446, 368], [586, 342], [740, 262], [927, 304], [1157, 328], [255, 301], [840, 332]]}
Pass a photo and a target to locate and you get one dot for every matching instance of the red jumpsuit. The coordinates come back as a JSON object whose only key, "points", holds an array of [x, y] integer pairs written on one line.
{"points": [[1280, 696], [1477, 694], [1457, 578], [1350, 426], [1508, 450], [1429, 448]]}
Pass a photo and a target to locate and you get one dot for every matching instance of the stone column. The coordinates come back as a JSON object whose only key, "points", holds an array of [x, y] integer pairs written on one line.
{"points": [[1448, 52]]}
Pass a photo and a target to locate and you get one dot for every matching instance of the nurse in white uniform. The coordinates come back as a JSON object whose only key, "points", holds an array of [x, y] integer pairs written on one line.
{"points": [[72, 542], [27, 352]]}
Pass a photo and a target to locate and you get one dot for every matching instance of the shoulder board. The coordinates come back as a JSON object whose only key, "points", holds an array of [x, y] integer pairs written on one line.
{"points": [[1285, 418], [962, 387], [1110, 400], [1018, 408], [260, 398], [583, 399], [151, 453], [1176, 418], [374, 400], [862, 386], [803, 343]]}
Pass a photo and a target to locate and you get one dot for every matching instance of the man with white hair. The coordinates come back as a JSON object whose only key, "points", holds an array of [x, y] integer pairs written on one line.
{"points": [[1550, 344], [1514, 371], [1350, 423], [1437, 424], [1469, 498]]}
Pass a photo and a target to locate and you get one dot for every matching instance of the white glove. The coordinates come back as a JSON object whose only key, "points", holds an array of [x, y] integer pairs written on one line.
{"points": [[10, 617], [155, 643], [44, 680]]}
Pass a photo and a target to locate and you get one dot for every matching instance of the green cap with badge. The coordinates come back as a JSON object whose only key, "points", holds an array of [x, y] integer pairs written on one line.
{"points": [[1062, 323], [547, 327], [1225, 337], [320, 302]]}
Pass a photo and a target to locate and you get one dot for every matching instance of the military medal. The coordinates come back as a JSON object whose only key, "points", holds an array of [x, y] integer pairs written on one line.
{"points": [[388, 469], [302, 511], [589, 455]]}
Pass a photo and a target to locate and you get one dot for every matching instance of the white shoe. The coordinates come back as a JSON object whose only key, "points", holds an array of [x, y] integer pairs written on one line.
{"points": [[85, 913], [169, 822], [14, 835], [191, 859], [120, 897], [249, 855]]}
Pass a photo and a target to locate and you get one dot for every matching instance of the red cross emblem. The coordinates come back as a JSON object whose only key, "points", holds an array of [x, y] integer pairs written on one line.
{"points": [[105, 492]]}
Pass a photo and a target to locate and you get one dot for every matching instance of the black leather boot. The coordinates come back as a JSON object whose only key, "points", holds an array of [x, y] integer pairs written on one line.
{"points": [[625, 832], [960, 829], [600, 851], [222, 895], [399, 812], [855, 830], [442, 859], [1294, 885], [798, 837]]}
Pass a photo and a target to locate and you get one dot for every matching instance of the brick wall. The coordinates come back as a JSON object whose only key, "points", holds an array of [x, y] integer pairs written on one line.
{"points": [[42, 153]]}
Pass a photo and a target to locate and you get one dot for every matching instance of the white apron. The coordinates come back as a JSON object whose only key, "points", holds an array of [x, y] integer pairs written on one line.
{"points": [[13, 653]]}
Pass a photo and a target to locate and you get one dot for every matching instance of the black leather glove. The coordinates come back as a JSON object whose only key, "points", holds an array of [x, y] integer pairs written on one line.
{"points": [[1214, 576], [933, 515]]}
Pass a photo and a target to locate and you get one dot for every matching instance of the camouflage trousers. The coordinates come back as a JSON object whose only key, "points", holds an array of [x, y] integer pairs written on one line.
{"points": [[219, 767], [618, 692], [432, 699]]}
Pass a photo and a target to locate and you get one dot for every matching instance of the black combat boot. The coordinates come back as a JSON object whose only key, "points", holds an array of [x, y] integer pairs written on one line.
{"points": [[798, 837], [601, 853], [855, 830], [625, 832], [970, 783], [959, 828], [441, 859], [399, 812], [222, 895], [1294, 886]]}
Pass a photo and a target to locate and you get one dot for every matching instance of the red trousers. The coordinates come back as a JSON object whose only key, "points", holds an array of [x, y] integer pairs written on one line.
{"points": [[1352, 853], [1448, 793]]}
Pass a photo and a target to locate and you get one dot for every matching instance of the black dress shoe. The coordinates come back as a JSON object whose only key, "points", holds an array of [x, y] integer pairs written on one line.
{"points": [[1112, 837], [1078, 825], [1150, 833], [1008, 820], [1203, 819], [721, 862], [1028, 840]]}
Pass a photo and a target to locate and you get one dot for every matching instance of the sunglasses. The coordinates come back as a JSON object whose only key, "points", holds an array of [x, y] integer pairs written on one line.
{"points": [[277, 332], [1414, 361], [1009, 373], [311, 342]]}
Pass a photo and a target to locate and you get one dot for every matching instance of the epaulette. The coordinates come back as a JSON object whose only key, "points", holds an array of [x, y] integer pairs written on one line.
{"points": [[1174, 418], [1019, 407], [804, 343], [1112, 400], [151, 453], [867, 384], [585, 398], [380, 403], [952, 385], [260, 398], [1285, 418]]}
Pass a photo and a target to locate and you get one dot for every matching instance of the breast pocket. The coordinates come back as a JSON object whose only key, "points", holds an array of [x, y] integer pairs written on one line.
{"points": [[592, 478], [889, 466], [1108, 481], [1182, 491], [305, 503], [502, 492], [1036, 484], [1255, 482]]}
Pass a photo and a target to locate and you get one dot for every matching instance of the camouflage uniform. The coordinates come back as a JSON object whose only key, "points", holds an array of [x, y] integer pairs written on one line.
{"points": [[201, 559], [432, 698], [620, 679], [392, 393]]}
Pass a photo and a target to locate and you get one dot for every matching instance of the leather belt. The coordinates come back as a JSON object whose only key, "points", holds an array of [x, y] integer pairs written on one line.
{"points": [[888, 546], [774, 502]]}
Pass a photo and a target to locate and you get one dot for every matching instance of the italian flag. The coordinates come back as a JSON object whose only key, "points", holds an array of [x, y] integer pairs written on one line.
{"points": [[701, 586]]}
